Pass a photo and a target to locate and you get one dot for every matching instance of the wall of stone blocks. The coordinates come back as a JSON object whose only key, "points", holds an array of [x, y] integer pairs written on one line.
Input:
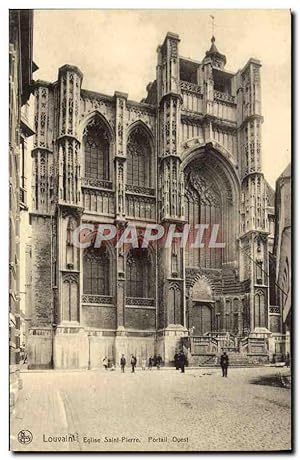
{"points": [[41, 271], [99, 317], [141, 319]]}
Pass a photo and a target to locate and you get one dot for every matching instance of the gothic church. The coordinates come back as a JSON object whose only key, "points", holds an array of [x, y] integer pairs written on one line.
{"points": [[190, 152]]}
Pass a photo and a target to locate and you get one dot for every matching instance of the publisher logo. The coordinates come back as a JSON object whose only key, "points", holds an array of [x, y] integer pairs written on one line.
{"points": [[25, 437]]}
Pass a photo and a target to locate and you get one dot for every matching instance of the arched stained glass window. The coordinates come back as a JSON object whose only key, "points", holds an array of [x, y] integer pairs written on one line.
{"points": [[138, 273], [96, 150], [139, 158], [96, 272]]}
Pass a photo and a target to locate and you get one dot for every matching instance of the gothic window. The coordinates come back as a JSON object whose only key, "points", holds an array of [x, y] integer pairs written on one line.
{"points": [[259, 271], [96, 271], [138, 272], [174, 259], [96, 151], [139, 158], [202, 206]]}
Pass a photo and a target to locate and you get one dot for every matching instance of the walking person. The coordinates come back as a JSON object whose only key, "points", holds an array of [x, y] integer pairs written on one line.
{"points": [[224, 362], [133, 363], [123, 363]]}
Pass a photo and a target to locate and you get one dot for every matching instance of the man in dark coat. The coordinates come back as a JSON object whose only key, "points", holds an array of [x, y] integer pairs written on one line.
{"points": [[158, 361], [133, 363], [176, 361], [224, 363], [123, 363], [181, 360]]}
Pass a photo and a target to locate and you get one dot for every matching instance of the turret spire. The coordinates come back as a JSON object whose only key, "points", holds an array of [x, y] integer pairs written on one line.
{"points": [[218, 59]]}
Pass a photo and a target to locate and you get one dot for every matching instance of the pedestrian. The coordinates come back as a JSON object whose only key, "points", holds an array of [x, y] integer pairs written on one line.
{"points": [[176, 361], [143, 364], [105, 362], [123, 363], [150, 363], [224, 362], [158, 361], [182, 361], [287, 360], [133, 363]]}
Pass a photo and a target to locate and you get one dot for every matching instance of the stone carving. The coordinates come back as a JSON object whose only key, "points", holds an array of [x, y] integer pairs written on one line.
{"points": [[140, 301], [174, 286], [120, 172], [91, 102], [74, 213], [70, 278], [174, 49], [198, 189], [256, 75], [120, 128], [136, 113], [41, 117], [139, 190], [191, 87], [224, 97], [96, 299], [274, 310], [68, 170], [98, 183]]}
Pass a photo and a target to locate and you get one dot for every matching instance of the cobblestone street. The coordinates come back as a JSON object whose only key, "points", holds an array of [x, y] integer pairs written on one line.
{"points": [[152, 410]]}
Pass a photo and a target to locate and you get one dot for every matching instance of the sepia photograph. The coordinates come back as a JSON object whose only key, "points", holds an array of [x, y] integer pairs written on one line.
{"points": [[150, 230]]}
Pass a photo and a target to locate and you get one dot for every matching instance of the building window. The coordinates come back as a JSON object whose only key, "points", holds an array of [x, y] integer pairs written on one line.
{"points": [[96, 151], [138, 271], [96, 271], [139, 158], [202, 206]]}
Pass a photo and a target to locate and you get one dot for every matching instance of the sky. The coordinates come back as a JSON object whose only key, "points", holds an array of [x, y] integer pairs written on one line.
{"points": [[116, 51]]}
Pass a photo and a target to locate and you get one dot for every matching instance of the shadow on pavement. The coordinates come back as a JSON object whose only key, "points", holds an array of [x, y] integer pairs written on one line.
{"points": [[275, 380]]}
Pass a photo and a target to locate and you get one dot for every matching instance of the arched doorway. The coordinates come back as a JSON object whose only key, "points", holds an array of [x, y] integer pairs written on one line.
{"points": [[202, 318], [201, 314]]}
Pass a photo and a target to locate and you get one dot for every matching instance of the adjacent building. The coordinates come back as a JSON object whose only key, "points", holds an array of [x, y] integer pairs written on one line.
{"points": [[282, 254], [20, 78]]}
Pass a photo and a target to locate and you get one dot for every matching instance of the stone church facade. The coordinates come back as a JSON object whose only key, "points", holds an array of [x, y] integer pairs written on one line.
{"points": [[190, 152]]}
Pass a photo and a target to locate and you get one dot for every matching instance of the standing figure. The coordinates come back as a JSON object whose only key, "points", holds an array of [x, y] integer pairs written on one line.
{"points": [[133, 363], [105, 363], [224, 362], [176, 361], [182, 361], [158, 361], [150, 363], [123, 363], [144, 364]]}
